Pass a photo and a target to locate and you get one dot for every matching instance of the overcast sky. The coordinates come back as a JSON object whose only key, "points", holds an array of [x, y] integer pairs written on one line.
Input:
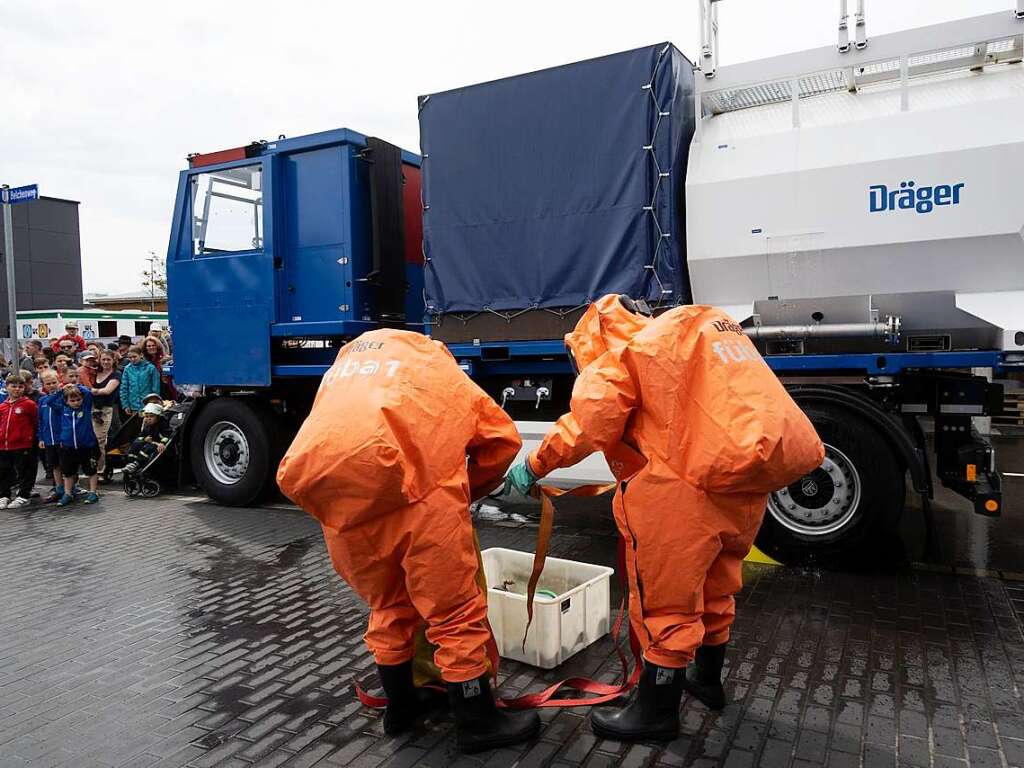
{"points": [[102, 101]]}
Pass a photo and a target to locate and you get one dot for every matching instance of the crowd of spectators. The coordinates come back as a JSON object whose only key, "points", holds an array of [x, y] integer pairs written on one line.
{"points": [[63, 398]]}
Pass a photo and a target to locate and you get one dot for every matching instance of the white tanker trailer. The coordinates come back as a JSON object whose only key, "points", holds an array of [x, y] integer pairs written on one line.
{"points": [[876, 184], [857, 208]]}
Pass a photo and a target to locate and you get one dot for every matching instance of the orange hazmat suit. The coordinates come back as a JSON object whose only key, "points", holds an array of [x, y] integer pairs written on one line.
{"points": [[381, 461], [698, 431]]}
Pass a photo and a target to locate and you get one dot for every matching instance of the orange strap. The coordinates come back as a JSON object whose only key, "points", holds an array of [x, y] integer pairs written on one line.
{"points": [[604, 692], [547, 522]]}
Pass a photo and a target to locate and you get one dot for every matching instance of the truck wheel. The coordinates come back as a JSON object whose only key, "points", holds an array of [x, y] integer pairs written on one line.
{"points": [[231, 446], [855, 496]]}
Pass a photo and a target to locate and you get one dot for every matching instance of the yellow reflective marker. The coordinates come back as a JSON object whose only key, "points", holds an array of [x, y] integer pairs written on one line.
{"points": [[755, 555]]}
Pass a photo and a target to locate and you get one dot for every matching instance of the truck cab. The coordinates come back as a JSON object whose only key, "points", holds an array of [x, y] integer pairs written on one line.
{"points": [[280, 251]]}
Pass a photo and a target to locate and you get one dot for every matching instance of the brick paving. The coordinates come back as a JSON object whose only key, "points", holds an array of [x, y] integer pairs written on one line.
{"points": [[173, 632]]}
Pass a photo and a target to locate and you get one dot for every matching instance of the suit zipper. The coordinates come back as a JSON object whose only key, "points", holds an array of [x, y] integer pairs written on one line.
{"points": [[632, 544]]}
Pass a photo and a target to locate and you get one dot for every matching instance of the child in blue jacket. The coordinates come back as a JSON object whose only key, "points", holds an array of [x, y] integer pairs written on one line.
{"points": [[140, 378], [79, 449], [51, 410]]}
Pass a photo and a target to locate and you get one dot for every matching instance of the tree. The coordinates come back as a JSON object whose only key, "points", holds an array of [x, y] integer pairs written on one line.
{"points": [[154, 279]]}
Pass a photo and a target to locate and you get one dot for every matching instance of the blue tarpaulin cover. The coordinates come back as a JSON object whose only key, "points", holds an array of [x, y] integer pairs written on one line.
{"points": [[553, 188]]}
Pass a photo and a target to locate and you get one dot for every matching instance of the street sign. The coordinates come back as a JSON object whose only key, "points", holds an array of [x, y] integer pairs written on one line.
{"points": [[25, 194], [9, 197]]}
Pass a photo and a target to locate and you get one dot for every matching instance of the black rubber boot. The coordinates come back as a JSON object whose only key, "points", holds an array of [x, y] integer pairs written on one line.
{"points": [[405, 702], [703, 679], [480, 725], [653, 714]]}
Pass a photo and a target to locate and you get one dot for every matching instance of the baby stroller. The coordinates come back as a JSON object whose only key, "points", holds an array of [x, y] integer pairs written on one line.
{"points": [[145, 473], [118, 443]]}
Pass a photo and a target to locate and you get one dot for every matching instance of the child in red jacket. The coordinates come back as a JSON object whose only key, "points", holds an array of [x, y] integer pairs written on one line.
{"points": [[18, 416]]}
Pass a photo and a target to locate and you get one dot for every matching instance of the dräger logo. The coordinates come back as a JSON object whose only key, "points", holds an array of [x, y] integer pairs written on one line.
{"points": [[910, 197]]}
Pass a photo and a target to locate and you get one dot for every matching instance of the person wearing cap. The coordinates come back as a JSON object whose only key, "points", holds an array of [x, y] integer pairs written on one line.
{"points": [[152, 440], [123, 344], [70, 333], [88, 367]]}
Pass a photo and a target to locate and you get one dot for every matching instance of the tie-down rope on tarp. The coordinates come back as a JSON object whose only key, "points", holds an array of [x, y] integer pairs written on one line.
{"points": [[661, 236]]}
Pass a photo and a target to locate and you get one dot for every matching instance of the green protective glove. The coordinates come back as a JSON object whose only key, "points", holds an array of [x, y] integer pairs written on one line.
{"points": [[520, 479]]}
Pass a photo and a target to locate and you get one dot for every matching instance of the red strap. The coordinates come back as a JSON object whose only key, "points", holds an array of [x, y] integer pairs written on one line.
{"points": [[380, 702], [373, 702], [603, 692]]}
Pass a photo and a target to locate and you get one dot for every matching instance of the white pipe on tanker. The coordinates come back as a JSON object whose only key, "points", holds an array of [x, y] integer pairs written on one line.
{"points": [[705, 29], [844, 28], [861, 27], [708, 37], [819, 330]]}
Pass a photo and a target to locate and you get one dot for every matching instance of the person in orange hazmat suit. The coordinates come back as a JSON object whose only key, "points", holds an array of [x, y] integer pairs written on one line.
{"points": [[698, 431], [397, 444]]}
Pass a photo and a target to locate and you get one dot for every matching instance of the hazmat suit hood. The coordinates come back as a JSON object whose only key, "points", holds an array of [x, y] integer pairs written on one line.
{"points": [[607, 324]]}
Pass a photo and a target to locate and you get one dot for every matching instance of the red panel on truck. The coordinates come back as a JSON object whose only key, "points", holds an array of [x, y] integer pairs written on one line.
{"points": [[413, 207], [212, 158]]}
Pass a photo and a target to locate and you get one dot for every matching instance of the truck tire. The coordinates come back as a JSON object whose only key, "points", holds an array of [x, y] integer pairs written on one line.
{"points": [[855, 497], [232, 447]]}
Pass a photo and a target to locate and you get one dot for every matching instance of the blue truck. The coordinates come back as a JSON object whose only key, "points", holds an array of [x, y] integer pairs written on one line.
{"points": [[532, 196]]}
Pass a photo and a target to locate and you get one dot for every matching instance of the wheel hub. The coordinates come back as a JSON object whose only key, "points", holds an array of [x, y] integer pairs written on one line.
{"points": [[821, 502], [226, 452], [229, 452]]}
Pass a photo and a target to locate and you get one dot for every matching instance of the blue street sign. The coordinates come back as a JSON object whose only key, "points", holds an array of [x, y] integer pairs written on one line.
{"points": [[25, 194]]}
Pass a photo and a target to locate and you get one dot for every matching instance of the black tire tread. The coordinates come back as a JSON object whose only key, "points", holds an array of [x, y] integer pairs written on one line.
{"points": [[882, 494], [256, 421]]}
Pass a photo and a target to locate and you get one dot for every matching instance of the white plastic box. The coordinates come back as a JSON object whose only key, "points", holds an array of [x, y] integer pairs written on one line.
{"points": [[563, 625]]}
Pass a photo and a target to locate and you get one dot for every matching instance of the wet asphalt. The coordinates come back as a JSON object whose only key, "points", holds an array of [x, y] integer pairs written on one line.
{"points": [[173, 632]]}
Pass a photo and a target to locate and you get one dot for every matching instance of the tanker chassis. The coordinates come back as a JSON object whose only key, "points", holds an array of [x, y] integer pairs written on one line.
{"points": [[875, 310]]}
